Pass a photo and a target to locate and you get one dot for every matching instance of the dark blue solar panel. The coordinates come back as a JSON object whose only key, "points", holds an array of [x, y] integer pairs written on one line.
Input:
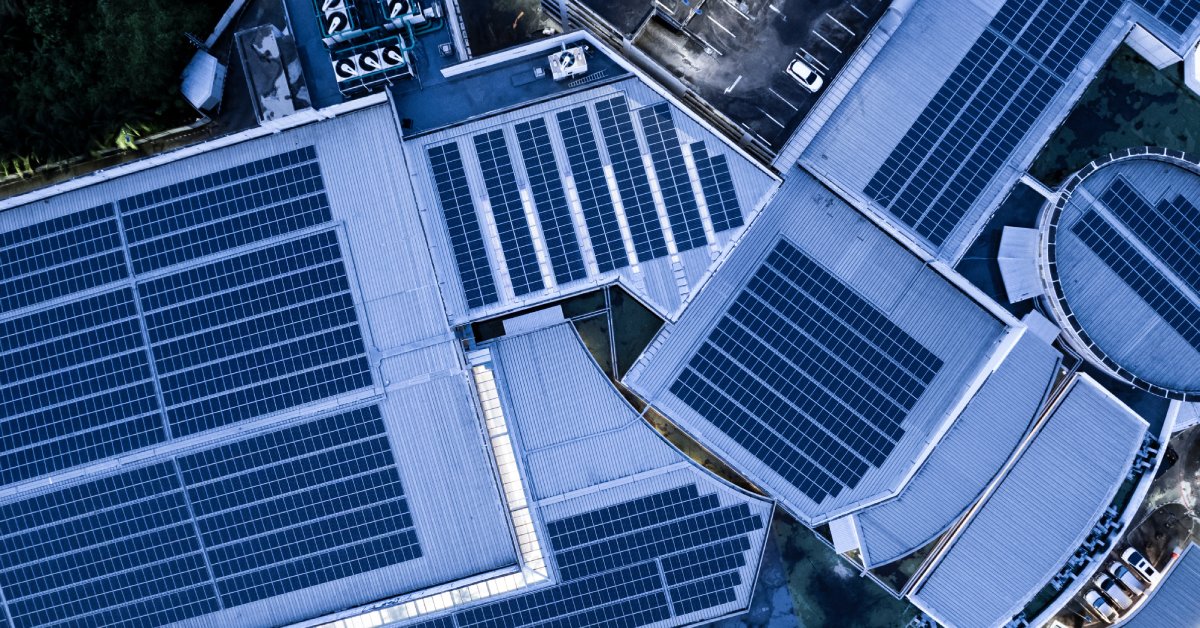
{"points": [[75, 386], [807, 375], [630, 173], [509, 212], [116, 551], [616, 564], [466, 237], [58, 257], [717, 184], [1170, 230], [254, 334], [225, 210], [604, 231], [672, 174], [550, 200], [1140, 274], [301, 506], [1179, 15]]}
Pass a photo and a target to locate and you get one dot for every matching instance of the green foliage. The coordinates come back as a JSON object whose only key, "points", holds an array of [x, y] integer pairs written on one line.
{"points": [[84, 75]]}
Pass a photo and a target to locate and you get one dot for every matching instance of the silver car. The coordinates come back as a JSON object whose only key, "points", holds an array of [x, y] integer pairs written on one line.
{"points": [[1113, 592], [1121, 574], [1100, 606]]}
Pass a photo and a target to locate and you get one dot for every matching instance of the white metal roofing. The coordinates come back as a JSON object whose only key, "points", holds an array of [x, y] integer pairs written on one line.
{"points": [[971, 453], [1174, 600], [1039, 514], [922, 301], [662, 283]]}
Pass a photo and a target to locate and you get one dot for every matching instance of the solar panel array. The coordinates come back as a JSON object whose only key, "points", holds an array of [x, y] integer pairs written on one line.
{"points": [[672, 174], [139, 358], [215, 529], [634, 563], [534, 163], [1177, 14], [1171, 229], [515, 238], [971, 128], [807, 375]]}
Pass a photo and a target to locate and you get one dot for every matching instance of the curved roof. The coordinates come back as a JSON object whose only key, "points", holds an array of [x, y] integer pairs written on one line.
{"points": [[1124, 268]]}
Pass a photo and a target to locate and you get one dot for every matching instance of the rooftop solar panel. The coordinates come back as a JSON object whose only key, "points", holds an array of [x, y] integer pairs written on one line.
{"points": [[630, 173], [466, 235], [254, 334], [1140, 274], [516, 240], [225, 210], [550, 199], [75, 386], [59, 257], [807, 375], [604, 231], [717, 186], [1179, 15], [1171, 230], [673, 179]]}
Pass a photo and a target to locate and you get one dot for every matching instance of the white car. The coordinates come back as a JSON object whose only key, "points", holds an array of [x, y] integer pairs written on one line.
{"points": [[1100, 606], [1126, 577], [1113, 591], [805, 75], [1141, 566]]}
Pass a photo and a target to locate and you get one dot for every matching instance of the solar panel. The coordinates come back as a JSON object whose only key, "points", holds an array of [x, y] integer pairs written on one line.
{"points": [[254, 334], [637, 562], [974, 123], [550, 199], [301, 506], [509, 212], [1140, 274], [672, 174], [224, 210], [120, 550], [590, 184], [630, 173], [58, 257], [807, 375], [75, 386], [466, 237], [1179, 15], [717, 185], [1171, 230]]}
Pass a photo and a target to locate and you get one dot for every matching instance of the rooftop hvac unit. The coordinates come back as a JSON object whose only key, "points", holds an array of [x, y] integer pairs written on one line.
{"points": [[333, 5], [368, 62], [396, 8], [568, 63], [345, 69], [391, 56], [336, 21]]}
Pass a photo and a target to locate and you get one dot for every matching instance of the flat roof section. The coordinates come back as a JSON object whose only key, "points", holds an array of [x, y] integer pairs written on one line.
{"points": [[822, 359], [609, 184], [1173, 600], [974, 450], [206, 309], [1039, 514], [1123, 266]]}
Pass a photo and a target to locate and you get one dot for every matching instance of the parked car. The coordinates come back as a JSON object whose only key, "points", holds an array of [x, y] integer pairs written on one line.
{"points": [[1122, 574], [1101, 606], [1113, 592], [805, 75], [1140, 565]]}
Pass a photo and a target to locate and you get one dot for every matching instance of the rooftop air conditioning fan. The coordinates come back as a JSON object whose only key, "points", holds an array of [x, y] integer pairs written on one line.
{"points": [[344, 69], [395, 8], [391, 56], [567, 63], [332, 5], [368, 62], [336, 21]]}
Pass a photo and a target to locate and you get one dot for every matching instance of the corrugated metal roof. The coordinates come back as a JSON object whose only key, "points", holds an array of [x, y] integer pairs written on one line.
{"points": [[971, 453], [1040, 512], [914, 296], [1174, 601]]}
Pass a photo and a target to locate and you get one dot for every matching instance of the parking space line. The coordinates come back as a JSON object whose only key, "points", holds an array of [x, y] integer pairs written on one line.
{"points": [[735, 82], [777, 12], [858, 10], [785, 101], [808, 56], [736, 9], [770, 117], [722, 26], [844, 27], [824, 40]]}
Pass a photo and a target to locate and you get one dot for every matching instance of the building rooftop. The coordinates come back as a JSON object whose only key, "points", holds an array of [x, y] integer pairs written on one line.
{"points": [[1122, 258], [1039, 514], [1173, 601]]}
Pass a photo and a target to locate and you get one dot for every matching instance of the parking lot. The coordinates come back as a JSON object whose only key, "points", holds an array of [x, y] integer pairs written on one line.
{"points": [[734, 54]]}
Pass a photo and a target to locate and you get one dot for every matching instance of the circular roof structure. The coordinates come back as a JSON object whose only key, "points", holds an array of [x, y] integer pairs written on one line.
{"points": [[1121, 263]]}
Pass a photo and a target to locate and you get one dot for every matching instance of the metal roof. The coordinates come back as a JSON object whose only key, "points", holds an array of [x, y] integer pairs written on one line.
{"points": [[1039, 514], [971, 453], [1173, 601]]}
